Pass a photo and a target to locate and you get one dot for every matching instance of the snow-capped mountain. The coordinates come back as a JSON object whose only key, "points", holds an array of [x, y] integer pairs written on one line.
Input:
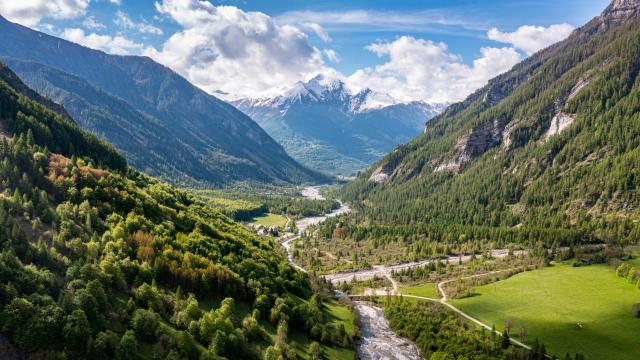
{"points": [[326, 126]]}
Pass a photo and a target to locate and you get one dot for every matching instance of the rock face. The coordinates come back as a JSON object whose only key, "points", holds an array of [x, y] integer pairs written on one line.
{"points": [[496, 133], [478, 141], [507, 141], [381, 174], [621, 10], [559, 122], [469, 129]]}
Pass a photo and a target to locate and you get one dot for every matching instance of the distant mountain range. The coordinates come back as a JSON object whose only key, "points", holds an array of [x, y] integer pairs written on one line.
{"points": [[325, 126], [164, 125]]}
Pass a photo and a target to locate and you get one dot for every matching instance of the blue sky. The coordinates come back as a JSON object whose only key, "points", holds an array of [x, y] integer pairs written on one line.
{"points": [[380, 44]]}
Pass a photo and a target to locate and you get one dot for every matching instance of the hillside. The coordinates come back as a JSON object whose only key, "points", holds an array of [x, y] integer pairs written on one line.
{"points": [[547, 151], [165, 126], [325, 126], [100, 261]]}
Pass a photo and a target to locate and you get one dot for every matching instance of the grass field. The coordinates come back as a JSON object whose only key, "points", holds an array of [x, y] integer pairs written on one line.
{"points": [[269, 220], [584, 309], [426, 290]]}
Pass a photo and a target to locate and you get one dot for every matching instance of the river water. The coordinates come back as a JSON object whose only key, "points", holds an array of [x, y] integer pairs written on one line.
{"points": [[313, 192], [378, 341]]}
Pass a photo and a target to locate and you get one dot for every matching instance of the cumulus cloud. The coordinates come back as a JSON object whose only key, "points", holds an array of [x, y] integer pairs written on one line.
{"points": [[246, 53], [118, 45], [30, 12], [124, 21], [225, 48], [530, 39], [423, 69], [116, 2]]}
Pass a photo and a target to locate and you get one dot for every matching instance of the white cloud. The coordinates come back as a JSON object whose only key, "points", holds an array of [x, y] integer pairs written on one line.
{"points": [[123, 20], [332, 55], [375, 20], [30, 12], [225, 48], [116, 2], [318, 30], [246, 53], [111, 44], [530, 39], [92, 24], [422, 69]]}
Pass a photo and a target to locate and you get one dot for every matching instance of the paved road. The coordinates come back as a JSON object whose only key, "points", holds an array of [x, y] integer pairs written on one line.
{"points": [[386, 270]]}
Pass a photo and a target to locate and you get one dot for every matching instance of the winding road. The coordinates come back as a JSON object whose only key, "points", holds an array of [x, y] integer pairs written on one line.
{"points": [[443, 300]]}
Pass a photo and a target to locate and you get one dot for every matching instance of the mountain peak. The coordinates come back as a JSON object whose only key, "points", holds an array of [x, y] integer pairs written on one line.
{"points": [[321, 85]]}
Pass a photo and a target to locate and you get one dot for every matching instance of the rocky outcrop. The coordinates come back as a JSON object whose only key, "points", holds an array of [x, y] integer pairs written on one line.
{"points": [[559, 122], [494, 133], [381, 174], [507, 142], [581, 84], [621, 10], [479, 140], [562, 120]]}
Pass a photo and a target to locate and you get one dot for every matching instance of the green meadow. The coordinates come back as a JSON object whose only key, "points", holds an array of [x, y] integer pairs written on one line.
{"points": [[269, 220], [584, 309]]}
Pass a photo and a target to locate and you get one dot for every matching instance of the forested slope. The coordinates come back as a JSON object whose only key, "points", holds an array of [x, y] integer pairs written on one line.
{"points": [[100, 261], [166, 126], [547, 151]]}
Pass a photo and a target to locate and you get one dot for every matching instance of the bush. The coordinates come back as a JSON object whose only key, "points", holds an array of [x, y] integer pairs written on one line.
{"points": [[315, 351], [145, 324], [128, 347]]}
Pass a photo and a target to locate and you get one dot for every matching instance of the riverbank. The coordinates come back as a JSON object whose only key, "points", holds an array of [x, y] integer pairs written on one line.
{"points": [[378, 341]]}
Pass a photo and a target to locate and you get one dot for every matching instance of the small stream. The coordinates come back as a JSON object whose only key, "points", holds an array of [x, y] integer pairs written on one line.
{"points": [[378, 341]]}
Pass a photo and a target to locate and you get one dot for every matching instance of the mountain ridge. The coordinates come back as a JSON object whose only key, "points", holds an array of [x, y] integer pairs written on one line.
{"points": [[221, 144], [547, 145], [346, 130]]}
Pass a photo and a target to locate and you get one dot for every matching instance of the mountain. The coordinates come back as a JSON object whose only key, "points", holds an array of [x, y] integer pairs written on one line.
{"points": [[98, 261], [52, 129], [325, 126], [165, 126], [547, 151]]}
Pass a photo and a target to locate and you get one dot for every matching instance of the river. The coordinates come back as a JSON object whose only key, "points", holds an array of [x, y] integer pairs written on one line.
{"points": [[378, 341], [313, 192]]}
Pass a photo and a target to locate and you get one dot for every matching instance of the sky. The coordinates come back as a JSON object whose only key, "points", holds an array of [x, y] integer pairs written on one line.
{"points": [[436, 51]]}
